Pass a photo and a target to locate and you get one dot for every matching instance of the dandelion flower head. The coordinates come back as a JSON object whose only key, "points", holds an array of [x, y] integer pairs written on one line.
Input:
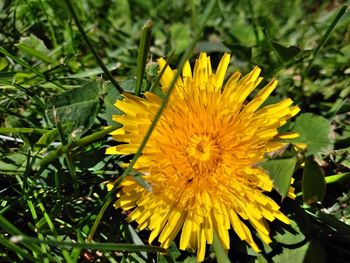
{"points": [[201, 159]]}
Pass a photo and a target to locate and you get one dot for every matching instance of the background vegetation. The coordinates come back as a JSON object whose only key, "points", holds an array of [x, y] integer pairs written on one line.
{"points": [[56, 95]]}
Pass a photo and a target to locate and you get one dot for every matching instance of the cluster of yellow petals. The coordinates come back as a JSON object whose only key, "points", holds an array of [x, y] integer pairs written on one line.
{"points": [[201, 161]]}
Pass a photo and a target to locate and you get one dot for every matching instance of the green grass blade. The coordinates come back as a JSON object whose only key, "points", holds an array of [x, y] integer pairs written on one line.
{"points": [[331, 179], [326, 36], [23, 130], [93, 246], [142, 55]]}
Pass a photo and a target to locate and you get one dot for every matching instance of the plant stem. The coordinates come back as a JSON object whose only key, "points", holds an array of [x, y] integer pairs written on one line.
{"points": [[87, 41], [81, 142]]}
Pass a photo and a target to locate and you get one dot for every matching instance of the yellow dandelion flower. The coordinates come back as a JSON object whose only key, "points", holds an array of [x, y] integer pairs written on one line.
{"points": [[201, 159]]}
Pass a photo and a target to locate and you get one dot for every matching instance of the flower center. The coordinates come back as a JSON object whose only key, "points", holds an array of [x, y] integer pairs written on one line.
{"points": [[203, 152]]}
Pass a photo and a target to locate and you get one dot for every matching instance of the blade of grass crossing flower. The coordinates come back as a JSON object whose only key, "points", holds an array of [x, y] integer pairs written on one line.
{"points": [[325, 37], [110, 196], [220, 253], [87, 41], [142, 56]]}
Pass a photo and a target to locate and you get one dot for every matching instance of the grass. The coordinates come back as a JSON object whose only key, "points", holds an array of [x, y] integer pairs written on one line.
{"points": [[64, 63]]}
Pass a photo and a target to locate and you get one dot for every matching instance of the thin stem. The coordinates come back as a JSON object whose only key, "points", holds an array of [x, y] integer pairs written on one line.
{"points": [[87, 41], [81, 142], [325, 37], [142, 56]]}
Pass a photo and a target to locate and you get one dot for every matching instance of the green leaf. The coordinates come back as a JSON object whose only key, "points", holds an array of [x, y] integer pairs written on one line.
{"points": [[79, 106], [280, 171], [297, 230], [311, 252], [313, 182], [88, 91], [291, 234], [315, 131]]}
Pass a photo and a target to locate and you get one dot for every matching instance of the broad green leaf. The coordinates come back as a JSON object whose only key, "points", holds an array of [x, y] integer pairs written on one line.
{"points": [[315, 131], [311, 252], [298, 229], [88, 91], [79, 106], [290, 234], [280, 171], [313, 182]]}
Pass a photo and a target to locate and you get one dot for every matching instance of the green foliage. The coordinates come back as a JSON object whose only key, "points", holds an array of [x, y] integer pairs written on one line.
{"points": [[310, 252], [314, 184], [315, 132], [60, 76], [281, 171]]}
